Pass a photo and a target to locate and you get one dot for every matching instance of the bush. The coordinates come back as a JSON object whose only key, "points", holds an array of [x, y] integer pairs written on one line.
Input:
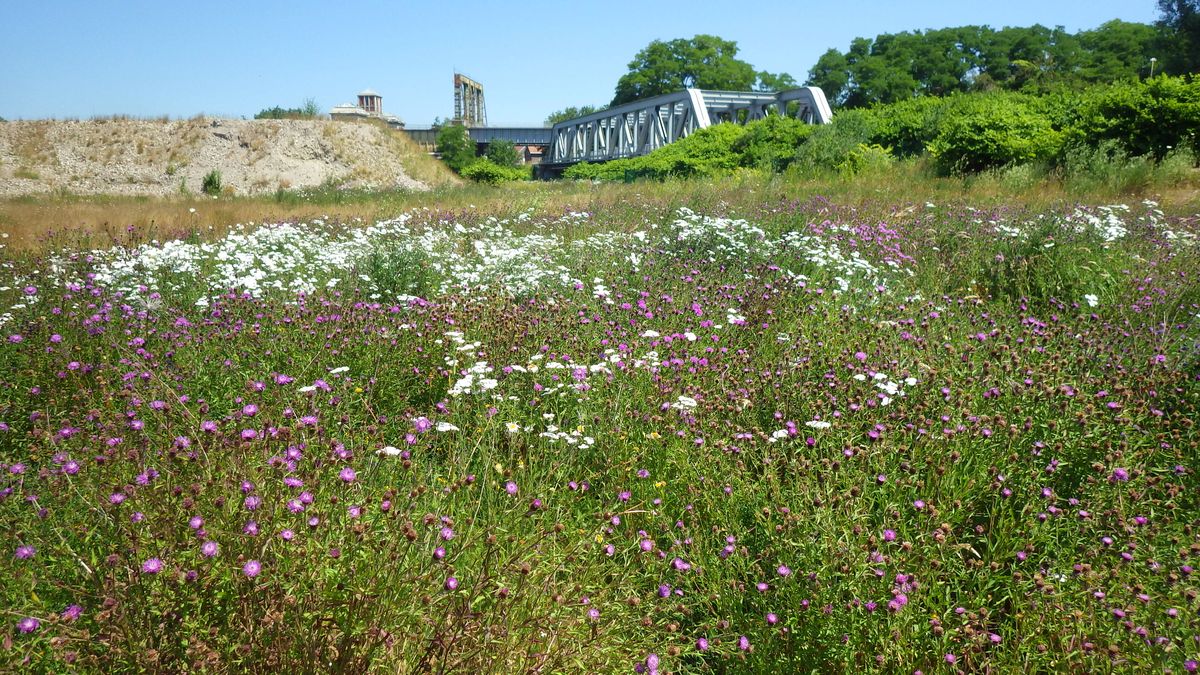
{"points": [[211, 185], [310, 110], [771, 143], [1145, 118], [487, 171], [866, 159], [829, 147], [503, 153], [455, 146], [907, 126], [992, 131]]}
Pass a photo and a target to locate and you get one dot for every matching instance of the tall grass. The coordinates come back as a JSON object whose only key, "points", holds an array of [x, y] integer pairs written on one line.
{"points": [[577, 428]]}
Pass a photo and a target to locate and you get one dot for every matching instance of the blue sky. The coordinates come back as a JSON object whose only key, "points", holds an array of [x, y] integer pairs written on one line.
{"points": [[81, 59]]}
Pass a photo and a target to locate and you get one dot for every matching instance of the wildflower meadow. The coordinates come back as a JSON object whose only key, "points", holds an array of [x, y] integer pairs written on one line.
{"points": [[780, 436]]}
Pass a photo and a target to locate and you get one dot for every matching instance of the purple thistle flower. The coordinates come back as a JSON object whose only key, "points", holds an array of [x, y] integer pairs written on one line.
{"points": [[252, 568], [451, 583], [28, 624], [25, 552], [347, 475], [702, 644], [152, 566], [511, 488], [209, 549], [71, 613]]}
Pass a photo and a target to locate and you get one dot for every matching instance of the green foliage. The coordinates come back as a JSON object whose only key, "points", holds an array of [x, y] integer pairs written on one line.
{"points": [[1108, 168], [455, 146], [488, 172], [703, 62], [992, 131], [570, 113], [503, 153], [907, 126], [309, 110], [1145, 118], [1180, 22], [829, 146], [771, 143], [707, 152], [895, 67], [211, 185]]}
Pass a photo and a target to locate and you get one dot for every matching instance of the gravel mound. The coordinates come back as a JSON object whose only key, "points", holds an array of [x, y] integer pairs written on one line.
{"points": [[161, 157]]}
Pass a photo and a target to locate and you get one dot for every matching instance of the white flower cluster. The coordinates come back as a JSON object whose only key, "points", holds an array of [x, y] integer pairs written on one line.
{"points": [[887, 386], [1107, 222]]}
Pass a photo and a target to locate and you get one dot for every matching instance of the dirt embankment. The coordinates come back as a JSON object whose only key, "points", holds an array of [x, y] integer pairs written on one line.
{"points": [[161, 157]]}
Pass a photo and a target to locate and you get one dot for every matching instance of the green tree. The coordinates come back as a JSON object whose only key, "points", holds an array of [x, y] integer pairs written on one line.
{"points": [[832, 74], [703, 62], [1117, 50], [1180, 44], [455, 146], [308, 110], [774, 82], [502, 153], [569, 114]]}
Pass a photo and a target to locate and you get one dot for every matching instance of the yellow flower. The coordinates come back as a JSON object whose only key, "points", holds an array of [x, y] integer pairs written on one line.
{"points": [[498, 468], [358, 390], [660, 483], [654, 435], [599, 537]]}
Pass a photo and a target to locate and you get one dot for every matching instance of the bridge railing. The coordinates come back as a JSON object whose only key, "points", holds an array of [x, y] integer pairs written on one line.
{"points": [[640, 127]]}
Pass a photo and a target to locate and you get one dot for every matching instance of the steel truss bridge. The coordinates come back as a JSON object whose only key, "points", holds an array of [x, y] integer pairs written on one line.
{"points": [[640, 127]]}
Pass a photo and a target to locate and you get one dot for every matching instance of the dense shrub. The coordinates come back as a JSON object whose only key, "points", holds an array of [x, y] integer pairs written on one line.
{"points": [[1145, 118], [487, 171], [964, 133], [992, 131], [455, 146], [771, 143], [308, 111], [908, 126], [828, 147], [503, 153]]}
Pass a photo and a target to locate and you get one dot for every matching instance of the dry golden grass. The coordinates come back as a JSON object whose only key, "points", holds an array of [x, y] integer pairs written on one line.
{"points": [[101, 220]]}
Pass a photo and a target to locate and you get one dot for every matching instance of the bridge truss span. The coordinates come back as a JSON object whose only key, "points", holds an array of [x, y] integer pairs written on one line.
{"points": [[643, 126]]}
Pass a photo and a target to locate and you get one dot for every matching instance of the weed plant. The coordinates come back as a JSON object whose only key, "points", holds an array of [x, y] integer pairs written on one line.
{"points": [[759, 433]]}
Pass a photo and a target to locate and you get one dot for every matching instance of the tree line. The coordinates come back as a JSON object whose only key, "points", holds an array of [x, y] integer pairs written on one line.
{"points": [[894, 67]]}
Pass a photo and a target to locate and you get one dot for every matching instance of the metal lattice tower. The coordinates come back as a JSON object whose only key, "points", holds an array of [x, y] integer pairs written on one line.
{"points": [[469, 107]]}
